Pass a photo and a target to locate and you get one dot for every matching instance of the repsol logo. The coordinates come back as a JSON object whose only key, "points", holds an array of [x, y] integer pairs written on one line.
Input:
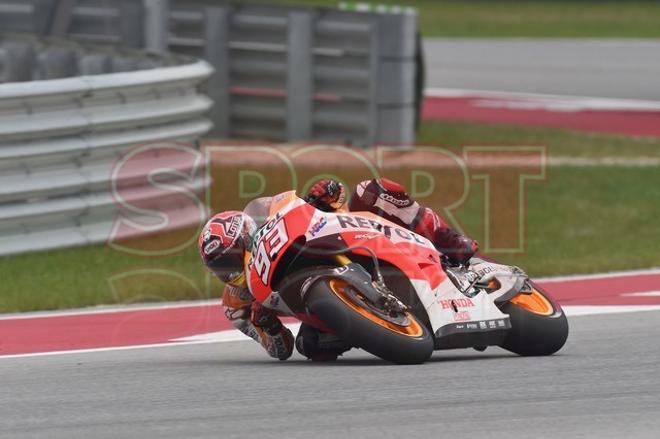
{"points": [[358, 222]]}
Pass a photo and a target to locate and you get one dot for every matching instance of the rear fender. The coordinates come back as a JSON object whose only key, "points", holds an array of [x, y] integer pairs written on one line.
{"points": [[511, 279], [354, 274]]}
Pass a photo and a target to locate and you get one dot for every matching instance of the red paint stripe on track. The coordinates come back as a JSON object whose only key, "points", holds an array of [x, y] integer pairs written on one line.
{"points": [[498, 110], [46, 333], [607, 291]]}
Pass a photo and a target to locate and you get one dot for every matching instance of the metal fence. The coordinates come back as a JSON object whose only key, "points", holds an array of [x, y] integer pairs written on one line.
{"points": [[281, 73], [62, 133]]}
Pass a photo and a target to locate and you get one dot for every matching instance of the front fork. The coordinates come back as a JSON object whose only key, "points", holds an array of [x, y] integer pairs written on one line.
{"points": [[387, 299], [342, 260]]}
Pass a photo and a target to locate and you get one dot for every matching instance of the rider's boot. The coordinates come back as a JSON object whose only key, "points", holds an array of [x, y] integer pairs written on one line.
{"points": [[317, 345]]}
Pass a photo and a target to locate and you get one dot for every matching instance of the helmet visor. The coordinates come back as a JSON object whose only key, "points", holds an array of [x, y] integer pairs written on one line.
{"points": [[227, 266]]}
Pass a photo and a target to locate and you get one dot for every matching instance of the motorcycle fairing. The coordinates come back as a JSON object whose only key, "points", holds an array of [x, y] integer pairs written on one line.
{"points": [[418, 258], [449, 310]]}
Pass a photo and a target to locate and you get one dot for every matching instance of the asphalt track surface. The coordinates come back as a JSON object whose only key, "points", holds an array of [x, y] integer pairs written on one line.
{"points": [[603, 384], [581, 67]]}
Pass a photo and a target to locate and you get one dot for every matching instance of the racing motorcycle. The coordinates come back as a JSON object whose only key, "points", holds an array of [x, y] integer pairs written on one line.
{"points": [[387, 290]]}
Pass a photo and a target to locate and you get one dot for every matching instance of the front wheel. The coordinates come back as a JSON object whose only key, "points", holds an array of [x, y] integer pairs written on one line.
{"points": [[538, 324], [399, 339]]}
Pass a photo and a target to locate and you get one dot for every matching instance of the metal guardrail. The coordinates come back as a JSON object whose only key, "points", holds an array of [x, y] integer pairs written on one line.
{"points": [[60, 139], [281, 73]]}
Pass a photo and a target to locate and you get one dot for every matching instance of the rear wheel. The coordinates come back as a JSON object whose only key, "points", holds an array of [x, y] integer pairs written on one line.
{"points": [[397, 338], [538, 324]]}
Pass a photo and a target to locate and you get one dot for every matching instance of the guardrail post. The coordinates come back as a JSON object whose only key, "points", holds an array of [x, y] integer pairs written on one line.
{"points": [[21, 61], [62, 17], [57, 62], [42, 16], [374, 80], [216, 29], [132, 15], [396, 67], [156, 24], [299, 76]]}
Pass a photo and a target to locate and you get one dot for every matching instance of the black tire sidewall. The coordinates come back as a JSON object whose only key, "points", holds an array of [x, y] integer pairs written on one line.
{"points": [[359, 331], [533, 334]]}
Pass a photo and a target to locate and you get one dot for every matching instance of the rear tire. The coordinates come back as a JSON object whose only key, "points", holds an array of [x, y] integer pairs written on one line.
{"points": [[355, 324], [533, 333]]}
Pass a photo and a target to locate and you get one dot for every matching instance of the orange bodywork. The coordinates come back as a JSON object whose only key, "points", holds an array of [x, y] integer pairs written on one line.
{"points": [[534, 302], [337, 286]]}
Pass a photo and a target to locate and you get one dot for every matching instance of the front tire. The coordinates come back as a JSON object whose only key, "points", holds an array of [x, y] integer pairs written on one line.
{"points": [[538, 324], [401, 340]]}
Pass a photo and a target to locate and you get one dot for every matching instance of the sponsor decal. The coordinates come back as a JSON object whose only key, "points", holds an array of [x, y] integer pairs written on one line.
{"points": [[471, 326], [211, 246], [261, 232], [231, 225], [316, 228], [366, 236], [487, 269], [251, 332], [278, 343], [271, 238], [358, 222], [274, 301], [471, 276], [206, 235], [393, 200], [484, 271], [501, 323], [461, 316], [456, 303], [483, 325], [492, 324]]}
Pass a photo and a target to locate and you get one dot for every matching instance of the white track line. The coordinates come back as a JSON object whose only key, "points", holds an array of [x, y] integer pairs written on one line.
{"points": [[592, 310], [111, 309], [550, 102], [228, 336], [598, 275], [95, 350], [233, 335], [205, 303], [643, 294], [619, 162]]}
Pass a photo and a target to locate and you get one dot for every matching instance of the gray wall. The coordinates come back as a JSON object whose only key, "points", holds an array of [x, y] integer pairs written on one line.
{"points": [[63, 136], [280, 73]]}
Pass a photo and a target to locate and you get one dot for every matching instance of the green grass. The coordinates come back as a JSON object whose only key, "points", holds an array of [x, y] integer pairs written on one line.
{"points": [[542, 18], [590, 220], [560, 142], [95, 275], [579, 220]]}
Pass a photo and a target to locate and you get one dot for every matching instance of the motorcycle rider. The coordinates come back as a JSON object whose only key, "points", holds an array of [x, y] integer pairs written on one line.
{"points": [[228, 235]]}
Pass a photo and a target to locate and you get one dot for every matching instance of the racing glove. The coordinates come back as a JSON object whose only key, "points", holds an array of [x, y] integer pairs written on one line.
{"points": [[457, 248], [327, 195]]}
